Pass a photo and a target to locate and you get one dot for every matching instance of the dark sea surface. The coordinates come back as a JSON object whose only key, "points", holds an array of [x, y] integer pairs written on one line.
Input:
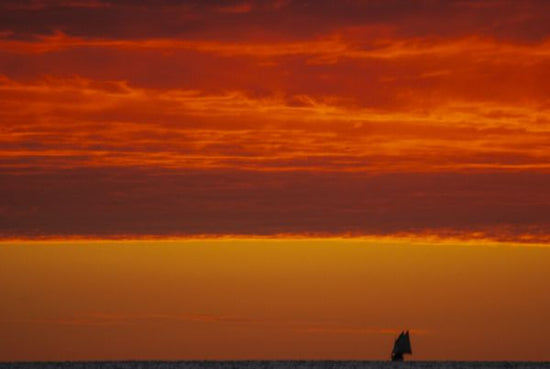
{"points": [[276, 365]]}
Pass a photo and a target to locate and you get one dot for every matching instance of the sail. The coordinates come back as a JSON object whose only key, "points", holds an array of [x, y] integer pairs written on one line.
{"points": [[397, 345], [402, 344], [407, 344]]}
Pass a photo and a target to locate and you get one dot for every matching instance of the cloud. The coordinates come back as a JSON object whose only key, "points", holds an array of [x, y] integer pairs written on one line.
{"points": [[241, 8], [38, 5], [77, 122], [265, 89], [329, 49], [355, 330], [238, 20], [131, 202], [101, 319]]}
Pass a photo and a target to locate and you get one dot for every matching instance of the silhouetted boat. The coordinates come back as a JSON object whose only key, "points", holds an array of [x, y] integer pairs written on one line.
{"points": [[401, 347]]}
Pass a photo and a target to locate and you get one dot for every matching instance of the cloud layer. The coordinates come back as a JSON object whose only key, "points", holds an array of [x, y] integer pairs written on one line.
{"points": [[270, 117]]}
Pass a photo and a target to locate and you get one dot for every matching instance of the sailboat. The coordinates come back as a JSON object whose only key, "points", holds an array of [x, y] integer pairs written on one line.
{"points": [[401, 346]]}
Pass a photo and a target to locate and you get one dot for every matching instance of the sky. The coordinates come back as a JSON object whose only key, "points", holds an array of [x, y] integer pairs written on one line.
{"points": [[242, 161]]}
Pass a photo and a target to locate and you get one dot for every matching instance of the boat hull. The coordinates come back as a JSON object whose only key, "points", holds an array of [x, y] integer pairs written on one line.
{"points": [[396, 357]]}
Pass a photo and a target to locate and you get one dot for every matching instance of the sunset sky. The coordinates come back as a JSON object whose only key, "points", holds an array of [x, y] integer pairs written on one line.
{"points": [[277, 179]]}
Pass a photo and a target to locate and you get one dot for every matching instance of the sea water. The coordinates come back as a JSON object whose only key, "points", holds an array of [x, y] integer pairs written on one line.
{"points": [[277, 365]]}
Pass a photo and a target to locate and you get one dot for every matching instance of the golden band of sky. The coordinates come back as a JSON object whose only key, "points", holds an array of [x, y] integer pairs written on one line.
{"points": [[271, 299]]}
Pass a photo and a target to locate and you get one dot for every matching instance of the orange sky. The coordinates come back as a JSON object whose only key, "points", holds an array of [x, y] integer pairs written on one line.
{"points": [[264, 120], [273, 299]]}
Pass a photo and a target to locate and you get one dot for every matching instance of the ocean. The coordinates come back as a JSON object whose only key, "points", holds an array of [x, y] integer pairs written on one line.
{"points": [[275, 365]]}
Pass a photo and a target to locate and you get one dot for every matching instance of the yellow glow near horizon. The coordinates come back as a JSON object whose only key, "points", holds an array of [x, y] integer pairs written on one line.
{"points": [[271, 298]]}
